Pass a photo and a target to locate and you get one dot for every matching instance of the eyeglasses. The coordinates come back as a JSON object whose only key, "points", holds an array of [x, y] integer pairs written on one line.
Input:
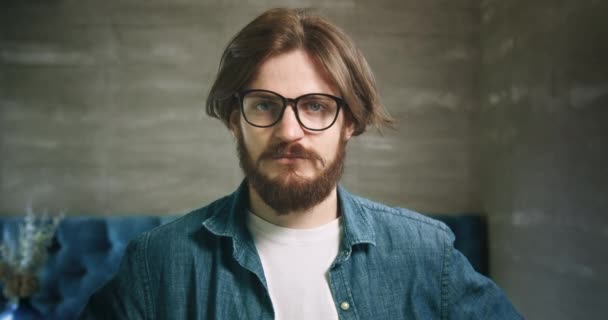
{"points": [[314, 111]]}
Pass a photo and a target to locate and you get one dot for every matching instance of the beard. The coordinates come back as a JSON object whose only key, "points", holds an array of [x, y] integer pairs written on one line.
{"points": [[289, 191]]}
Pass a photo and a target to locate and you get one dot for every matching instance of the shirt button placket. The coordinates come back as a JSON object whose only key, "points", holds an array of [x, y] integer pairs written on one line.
{"points": [[340, 288]]}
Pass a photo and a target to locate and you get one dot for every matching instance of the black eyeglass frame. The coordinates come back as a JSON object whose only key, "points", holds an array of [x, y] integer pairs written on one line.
{"points": [[293, 102]]}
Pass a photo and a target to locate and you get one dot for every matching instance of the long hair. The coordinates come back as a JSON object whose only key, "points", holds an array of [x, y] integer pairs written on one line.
{"points": [[283, 30]]}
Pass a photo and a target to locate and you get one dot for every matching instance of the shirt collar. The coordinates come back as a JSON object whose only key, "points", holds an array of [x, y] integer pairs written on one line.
{"points": [[228, 218], [356, 224]]}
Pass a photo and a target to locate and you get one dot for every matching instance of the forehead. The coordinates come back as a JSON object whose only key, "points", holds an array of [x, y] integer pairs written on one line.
{"points": [[292, 74]]}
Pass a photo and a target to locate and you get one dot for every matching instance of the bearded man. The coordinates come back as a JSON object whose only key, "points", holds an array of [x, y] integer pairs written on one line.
{"points": [[291, 243]]}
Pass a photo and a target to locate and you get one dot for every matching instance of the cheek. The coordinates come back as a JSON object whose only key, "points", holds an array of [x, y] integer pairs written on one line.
{"points": [[254, 141], [328, 145]]}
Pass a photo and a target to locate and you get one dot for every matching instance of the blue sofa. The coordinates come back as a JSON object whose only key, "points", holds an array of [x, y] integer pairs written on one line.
{"points": [[86, 252]]}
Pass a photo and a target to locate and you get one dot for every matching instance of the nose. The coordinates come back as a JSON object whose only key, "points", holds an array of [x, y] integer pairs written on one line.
{"points": [[288, 129]]}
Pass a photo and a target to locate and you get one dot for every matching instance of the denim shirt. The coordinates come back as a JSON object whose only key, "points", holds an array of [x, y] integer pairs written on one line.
{"points": [[393, 264]]}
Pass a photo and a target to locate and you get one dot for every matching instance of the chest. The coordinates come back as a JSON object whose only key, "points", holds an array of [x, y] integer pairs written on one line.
{"points": [[219, 283]]}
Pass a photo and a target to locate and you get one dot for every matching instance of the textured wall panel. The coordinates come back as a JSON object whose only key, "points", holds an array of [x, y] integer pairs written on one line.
{"points": [[544, 146]]}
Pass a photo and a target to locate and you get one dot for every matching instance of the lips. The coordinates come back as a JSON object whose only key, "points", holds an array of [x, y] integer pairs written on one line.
{"points": [[290, 156], [290, 152], [287, 154], [289, 159]]}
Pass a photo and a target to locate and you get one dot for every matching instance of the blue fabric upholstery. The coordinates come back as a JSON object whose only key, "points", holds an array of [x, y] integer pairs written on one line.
{"points": [[85, 253], [471, 238], [87, 250]]}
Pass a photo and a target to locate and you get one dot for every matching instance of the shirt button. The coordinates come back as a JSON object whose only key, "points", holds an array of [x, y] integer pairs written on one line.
{"points": [[344, 306]]}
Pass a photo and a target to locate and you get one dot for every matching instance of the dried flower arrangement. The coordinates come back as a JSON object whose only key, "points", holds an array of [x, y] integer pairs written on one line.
{"points": [[20, 262]]}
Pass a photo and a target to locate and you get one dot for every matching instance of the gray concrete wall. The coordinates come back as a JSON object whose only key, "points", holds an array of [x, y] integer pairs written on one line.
{"points": [[102, 103], [544, 147]]}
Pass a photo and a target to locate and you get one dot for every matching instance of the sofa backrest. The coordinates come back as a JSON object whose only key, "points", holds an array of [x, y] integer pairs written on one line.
{"points": [[86, 252]]}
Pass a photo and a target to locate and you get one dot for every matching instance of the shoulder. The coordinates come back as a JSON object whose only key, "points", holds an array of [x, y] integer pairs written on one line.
{"points": [[402, 225], [384, 213], [180, 231]]}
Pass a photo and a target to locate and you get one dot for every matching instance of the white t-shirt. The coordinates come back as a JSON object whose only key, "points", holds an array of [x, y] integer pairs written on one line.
{"points": [[295, 263]]}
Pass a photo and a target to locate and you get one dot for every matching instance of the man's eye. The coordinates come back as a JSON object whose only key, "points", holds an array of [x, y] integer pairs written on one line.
{"points": [[315, 106], [264, 106]]}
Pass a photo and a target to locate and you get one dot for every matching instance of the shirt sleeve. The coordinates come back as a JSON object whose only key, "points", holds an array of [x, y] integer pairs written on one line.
{"points": [[470, 295], [126, 295]]}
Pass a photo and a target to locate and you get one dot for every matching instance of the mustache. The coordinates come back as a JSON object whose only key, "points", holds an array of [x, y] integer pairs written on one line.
{"points": [[284, 149]]}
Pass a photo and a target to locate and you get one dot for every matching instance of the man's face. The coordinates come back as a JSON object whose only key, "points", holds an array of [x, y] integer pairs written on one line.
{"points": [[290, 167]]}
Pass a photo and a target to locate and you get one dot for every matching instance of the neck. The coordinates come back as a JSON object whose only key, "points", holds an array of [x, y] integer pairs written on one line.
{"points": [[322, 213]]}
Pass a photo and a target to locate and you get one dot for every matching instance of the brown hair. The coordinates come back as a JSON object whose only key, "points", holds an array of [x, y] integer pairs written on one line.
{"points": [[282, 30]]}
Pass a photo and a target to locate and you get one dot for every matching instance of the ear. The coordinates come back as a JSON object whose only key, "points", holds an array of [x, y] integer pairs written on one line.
{"points": [[349, 129], [233, 121], [349, 125]]}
